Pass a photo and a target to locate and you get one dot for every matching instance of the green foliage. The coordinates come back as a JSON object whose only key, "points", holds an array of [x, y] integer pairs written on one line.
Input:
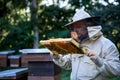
{"points": [[16, 30], [52, 21], [110, 19], [17, 38], [75, 3]]}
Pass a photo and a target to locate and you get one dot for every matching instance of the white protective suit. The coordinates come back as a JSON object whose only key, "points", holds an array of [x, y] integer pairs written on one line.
{"points": [[106, 65]]}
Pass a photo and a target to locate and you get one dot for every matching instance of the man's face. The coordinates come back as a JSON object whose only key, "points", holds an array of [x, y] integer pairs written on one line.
{"points": [[79, 32]]}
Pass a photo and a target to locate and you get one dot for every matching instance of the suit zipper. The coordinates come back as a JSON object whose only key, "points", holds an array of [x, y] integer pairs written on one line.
{"points": [[77, 69]]}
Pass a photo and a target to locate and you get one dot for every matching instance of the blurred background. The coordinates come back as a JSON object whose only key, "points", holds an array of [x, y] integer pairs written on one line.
{"points": [[23, 23]]}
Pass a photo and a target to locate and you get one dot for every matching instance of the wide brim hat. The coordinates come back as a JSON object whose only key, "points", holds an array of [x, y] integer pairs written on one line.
{"points": [[82, 17]]}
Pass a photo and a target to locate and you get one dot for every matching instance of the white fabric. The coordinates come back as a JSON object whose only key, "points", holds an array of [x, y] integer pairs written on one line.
{"points": [[83, 68], [93, 30], [80, 14]]}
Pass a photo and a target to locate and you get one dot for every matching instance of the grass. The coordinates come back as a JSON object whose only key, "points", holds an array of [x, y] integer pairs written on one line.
{"points": [[66, 74]]}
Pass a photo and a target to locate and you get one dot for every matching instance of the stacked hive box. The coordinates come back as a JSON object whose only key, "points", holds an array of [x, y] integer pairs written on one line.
{"points": [[40, 65], [15, 60], [4, 62], [14, 74]]}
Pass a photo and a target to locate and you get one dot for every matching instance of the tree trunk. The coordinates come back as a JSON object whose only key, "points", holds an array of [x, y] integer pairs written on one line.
{"points": [[34, 22]]}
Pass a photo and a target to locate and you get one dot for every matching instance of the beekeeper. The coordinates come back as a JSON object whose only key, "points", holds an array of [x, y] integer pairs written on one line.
{"points": [[102, 59]]}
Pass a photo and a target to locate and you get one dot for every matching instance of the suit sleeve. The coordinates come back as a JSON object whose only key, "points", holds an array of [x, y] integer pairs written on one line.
{"points": [[62, 61], [109, 65]]}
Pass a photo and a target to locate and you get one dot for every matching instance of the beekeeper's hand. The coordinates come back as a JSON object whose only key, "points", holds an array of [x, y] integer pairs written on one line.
{"points": [[92, 54], [54, 53], [74, 35], [95, 58]]}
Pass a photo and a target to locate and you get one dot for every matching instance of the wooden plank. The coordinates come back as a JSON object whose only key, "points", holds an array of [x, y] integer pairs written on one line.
{"points": [[3, 60], [34, 57], [41, 78], [41, 69], [56, 77]]}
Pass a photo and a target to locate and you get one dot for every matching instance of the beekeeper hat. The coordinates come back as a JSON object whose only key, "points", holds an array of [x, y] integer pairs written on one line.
{"points": [[82, 16]]}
